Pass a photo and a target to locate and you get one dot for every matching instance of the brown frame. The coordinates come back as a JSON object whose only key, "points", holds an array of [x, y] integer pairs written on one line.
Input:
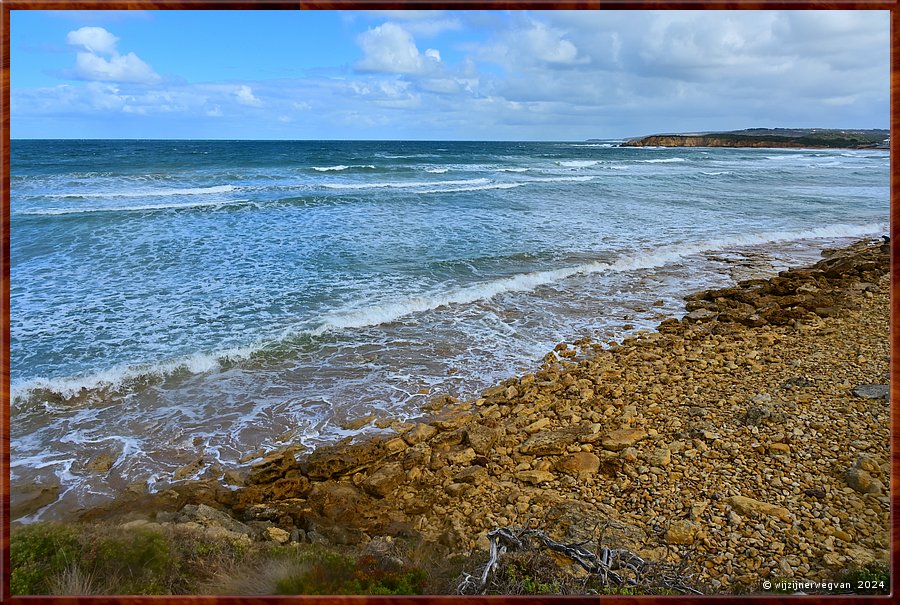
{"points": [[7, 5]]}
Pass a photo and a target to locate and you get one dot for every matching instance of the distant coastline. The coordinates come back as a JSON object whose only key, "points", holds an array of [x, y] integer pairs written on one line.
{"points": [[814, 138]]}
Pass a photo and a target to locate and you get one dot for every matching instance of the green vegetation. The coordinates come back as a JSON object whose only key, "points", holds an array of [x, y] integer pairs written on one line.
{"points": [[870, 579], [85, 559], [37, 554], [49, 558], [335, 573]]}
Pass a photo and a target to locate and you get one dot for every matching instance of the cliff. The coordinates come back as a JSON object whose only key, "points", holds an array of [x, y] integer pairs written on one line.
{"points": [[804, 138]]}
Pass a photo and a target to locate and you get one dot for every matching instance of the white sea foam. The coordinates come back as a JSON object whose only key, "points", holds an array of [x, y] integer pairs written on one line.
{"points": [[662, 160], [341, 167], [561, 179], [114, 378], [437, 170], [719, 173], [148, 192], [515, 169], [395, 310], [495, 185], [578, 163], [403, 184], [138, 208], [473, 188]]}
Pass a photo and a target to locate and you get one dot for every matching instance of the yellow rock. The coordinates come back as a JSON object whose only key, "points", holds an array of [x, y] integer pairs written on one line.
{"points": [[746, 506]]}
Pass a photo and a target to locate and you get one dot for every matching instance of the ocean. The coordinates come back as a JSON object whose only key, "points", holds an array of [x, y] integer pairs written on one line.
{"points": [[176, 301]]}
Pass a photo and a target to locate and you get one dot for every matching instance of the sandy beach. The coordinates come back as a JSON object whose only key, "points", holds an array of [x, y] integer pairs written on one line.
{"points": [[751, 436]]}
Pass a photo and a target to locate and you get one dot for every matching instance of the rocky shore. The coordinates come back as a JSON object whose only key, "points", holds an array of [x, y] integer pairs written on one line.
{"points": [[751, 436]]}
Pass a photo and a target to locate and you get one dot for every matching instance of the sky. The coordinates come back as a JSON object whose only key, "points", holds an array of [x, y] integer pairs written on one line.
{"points": [[442, 75]]}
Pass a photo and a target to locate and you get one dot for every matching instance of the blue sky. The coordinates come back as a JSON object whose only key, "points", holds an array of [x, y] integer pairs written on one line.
{"points": [[469, 75]]}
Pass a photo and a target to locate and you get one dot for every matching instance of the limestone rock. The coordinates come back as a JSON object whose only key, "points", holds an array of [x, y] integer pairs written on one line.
{"points": [[329, 461], [358, 423], [276, 534], [273, 466], [549, 443], [746, 506], [234, 477], [461, 457], [451, 420], [101, 463], [863, 482], [535, 477], [756, 415], [207, 516], [868, 464], [421, 432], [779, 449], [28, 499], [660, 457], [873, 391], [578, 464], [620, 439], [385, 479], [293, 485], [455, 490], [537, 425], [681, 532], [481, 438], [574, 521], [395, 445], [475, 475], [701, 315], [189, 469]]}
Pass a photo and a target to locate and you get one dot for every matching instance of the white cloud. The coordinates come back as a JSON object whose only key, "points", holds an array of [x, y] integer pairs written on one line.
{"points": [[90, 65], [425, 23], [94, 39], [389, 48], [128, 68], [245, 96], [548, 45]]}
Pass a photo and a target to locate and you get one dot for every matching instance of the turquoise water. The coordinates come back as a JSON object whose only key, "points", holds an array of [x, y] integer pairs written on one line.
{"points": [[177, 298]]}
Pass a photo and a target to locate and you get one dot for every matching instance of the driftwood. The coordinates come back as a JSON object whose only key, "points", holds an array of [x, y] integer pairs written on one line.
{"points": [[609, 567]]}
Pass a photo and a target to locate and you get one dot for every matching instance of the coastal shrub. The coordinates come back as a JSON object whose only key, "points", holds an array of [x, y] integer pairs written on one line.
{"points": [[39, 552], [339, 574], [137, 561], [871, 579], [203, 559]]}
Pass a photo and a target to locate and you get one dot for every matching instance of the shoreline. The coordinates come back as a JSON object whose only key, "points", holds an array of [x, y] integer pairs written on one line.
{"points": [[702, 436]]}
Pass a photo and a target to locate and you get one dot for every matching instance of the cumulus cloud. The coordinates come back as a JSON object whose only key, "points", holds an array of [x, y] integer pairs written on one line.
{"points": [[244, 95], [94, 39], [390, 48], [126, 68], [425, 23], [549, 46], [90, 65]]}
